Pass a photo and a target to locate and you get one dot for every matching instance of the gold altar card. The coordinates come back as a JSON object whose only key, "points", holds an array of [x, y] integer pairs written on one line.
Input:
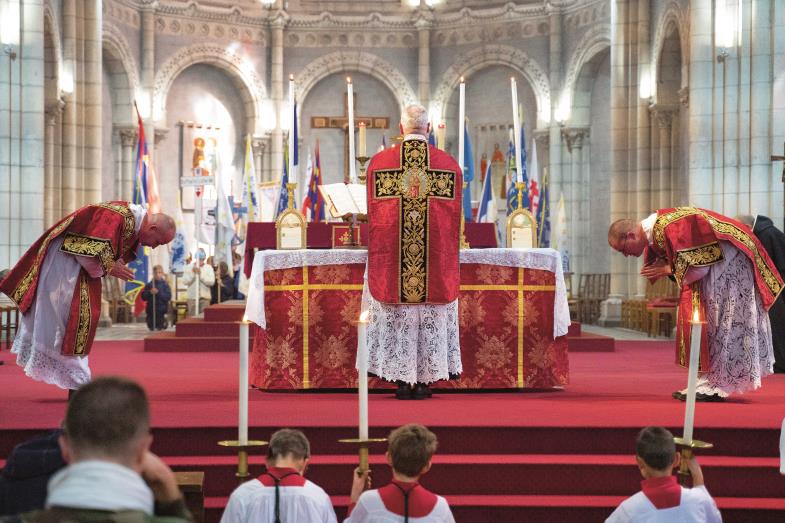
{"points": [[290, 228]]}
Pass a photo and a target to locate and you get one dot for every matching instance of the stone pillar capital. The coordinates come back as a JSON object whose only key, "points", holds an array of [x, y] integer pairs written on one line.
{"points": [[684, 96], [259, 143], [574, 136], [148, 5], [423, 20], [542, 137], [127, 136], [279, 20], [160, 134], [54, 110], [663, 114]]}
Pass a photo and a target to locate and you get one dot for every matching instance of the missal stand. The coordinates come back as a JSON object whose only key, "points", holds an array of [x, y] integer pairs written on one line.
{"points": [[290, 226]]}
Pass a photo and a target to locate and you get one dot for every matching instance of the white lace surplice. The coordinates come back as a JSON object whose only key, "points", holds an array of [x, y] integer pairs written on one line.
{"points": [[738, 327]]}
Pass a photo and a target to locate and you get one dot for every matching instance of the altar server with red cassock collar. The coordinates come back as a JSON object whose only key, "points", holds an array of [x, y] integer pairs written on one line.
{"points": [[723, 270], [57, 285], [409, 453], [661, 498], [281, 494], [414, 215]]}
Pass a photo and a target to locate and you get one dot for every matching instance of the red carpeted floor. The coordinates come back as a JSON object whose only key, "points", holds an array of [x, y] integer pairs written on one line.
{"points": [[536, 455]]}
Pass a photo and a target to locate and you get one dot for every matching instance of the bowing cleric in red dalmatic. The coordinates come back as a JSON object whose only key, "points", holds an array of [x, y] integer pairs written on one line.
{"points": [[414, 209]]}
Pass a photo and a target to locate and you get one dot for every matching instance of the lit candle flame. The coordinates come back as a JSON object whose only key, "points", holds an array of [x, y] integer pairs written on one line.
{"points": [[462, 79], [696, 317], [348, 79], [364, 316], [291, 77]]}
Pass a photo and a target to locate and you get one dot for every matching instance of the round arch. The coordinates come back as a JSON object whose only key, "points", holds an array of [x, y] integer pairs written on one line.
{"points": [[53, 29], [249, 84], [592, 44], [360, 61], [479, 59], [673, 14], [122, 69]]}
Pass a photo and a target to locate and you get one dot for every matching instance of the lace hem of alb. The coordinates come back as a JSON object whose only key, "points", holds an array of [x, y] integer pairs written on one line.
{"points": [[41, 366]]}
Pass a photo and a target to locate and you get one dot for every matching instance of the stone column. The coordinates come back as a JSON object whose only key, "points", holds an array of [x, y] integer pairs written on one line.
{"points": [[277, 25], [574, 138], [555, 79], [258, 144], [423, 25], [664, 117], [148, 44], [51, 187], [128, 141], [92, 101]]}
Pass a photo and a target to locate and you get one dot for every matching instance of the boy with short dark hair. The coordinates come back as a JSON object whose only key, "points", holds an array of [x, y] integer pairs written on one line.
{"points": [[661, 498], [281, 494], [409, 452]]}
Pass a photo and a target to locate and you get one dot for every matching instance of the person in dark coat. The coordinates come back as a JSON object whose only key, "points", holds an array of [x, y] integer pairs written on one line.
{"points": [[226, 283], [27, 471], [157, 295], [773, 241]]}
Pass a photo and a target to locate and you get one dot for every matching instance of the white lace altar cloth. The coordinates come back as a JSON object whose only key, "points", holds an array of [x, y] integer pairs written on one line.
{"points": [[542, 259]]}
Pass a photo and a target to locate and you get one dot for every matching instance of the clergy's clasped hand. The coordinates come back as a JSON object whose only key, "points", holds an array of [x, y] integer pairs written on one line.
{"points": [[120, 270], [656, 270]]}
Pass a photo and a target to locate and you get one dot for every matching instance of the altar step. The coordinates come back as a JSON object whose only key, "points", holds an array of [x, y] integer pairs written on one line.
{"points": [[578, 341]]}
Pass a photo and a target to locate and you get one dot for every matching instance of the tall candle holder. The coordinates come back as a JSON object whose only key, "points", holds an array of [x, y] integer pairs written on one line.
{"points": [[464, 243], [362, 449], [687, 451], [363, 168], [242, 455]]}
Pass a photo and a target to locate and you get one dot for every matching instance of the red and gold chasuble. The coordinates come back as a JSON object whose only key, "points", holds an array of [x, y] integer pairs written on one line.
{"points": [[690, 237], [414, 212], [106, 231]]}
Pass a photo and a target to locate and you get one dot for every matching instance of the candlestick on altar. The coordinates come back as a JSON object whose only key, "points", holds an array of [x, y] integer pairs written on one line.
{"points": [[440, 131], [516, 120], [292, 125], [461, 120], [243, 444], [363, 161], [687, 443], [350, 102]]}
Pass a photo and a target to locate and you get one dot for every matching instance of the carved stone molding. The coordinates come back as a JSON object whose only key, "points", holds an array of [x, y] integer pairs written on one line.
{"points": [[673, 14], [574, 136], [480, 58], [160, 134], [172, 25], [119, 12], [357, 39], [128, 136], [53, 111], [663, 114], [368, 63], [595, 41], [684, 96], [115, 43], [542, 136]]}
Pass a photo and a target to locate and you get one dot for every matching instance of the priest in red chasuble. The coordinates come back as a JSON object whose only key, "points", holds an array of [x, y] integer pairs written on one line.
{"points": [[414, 210], [724, 272], [57, 285]]}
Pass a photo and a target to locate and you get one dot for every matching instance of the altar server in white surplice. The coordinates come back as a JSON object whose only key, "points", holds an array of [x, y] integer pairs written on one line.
{"points": [[281, 494]]}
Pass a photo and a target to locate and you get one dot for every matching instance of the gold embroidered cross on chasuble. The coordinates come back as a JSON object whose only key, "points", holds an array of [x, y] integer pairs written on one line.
{"points": [[414, 210]]}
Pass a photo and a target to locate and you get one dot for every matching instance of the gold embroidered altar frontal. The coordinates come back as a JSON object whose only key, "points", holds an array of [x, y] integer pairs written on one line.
{"points": [[506, 329]]}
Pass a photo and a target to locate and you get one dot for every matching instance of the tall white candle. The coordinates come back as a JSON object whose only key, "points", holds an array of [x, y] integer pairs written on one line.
{"points": [[350, 101], [440, 130], [362, 371], [361, 138], [461, 120], [242, 432], [692, 376], [292, 174], [516, 122]]}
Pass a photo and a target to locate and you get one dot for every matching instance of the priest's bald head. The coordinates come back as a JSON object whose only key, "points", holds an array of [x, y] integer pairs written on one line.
{"points": [[157, 229], [414, 120], [627, 237]]}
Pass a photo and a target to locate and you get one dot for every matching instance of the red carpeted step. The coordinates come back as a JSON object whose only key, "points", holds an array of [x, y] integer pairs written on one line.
{"points": [[197, 327], [574, 329], [170, 342], [590, 343], [473, 474], [564, 509], [231, 311]]}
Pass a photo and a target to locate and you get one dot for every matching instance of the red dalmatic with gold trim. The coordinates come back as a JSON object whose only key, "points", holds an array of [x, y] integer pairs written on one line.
{"points": [[106, 231], [414, 213], [689, 237]]}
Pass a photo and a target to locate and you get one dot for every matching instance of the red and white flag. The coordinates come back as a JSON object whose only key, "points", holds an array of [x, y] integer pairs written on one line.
{"points": [[534, 180]]}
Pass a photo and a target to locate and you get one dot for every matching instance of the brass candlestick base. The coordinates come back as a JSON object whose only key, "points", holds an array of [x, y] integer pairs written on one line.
{"points": [[464, 243], [363, 448], [363, 169], [242, 455], [687, 450]]}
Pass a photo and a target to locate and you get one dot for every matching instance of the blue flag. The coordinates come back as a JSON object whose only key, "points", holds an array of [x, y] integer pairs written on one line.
{"points": [[134, 286], [431, 138], [544, 213], [512, 174], [283, 196], [487, 210], [467, 165]]}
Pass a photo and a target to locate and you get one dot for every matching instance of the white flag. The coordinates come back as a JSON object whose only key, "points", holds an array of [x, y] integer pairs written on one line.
{"points": [[562, 242]]}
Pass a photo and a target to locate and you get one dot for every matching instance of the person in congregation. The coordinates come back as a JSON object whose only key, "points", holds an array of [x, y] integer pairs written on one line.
{"points": [[726, 275], [111, 473], [199, 278], [773, 241], [223, 288], [409, 452], [414, 216], [57, 285], [281, 494], [661, 497], [157, 295]]}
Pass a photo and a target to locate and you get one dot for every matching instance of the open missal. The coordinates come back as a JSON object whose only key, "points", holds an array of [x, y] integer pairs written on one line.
{"points": [[345, 198]]}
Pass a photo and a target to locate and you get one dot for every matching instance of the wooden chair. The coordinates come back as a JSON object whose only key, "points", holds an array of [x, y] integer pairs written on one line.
{"points": [[9, 321], [572, 300], [191, 484], [593, 289], [662, 300], [119, 310], [178, 306]]}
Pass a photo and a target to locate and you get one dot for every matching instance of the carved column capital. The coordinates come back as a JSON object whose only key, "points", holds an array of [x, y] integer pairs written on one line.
{"points": [[684, 96], [54, 110], [127, 136], [148, 5], [574, 136], [160, 134], [542, 137], [259, 144], [663, 114], [279, 20]]}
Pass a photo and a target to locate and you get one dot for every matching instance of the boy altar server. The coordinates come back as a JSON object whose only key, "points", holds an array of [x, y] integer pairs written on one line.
{"points": [[281, 494]]}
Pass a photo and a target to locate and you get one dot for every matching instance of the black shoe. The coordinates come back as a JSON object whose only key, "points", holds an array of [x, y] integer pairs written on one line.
{"points": [[453, 376], [710, 398], [678, 395], [404, 391], [421, 391]]}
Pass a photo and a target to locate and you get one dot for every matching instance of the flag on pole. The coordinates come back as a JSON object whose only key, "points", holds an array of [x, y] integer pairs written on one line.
{"points": [[313, 206], [512, 171], [431, 138], [224, 232], [467, 166], [283, 194], [543, 215], [487, 211], [561, 240], [534, 181], [250, 195], [179, 245]]}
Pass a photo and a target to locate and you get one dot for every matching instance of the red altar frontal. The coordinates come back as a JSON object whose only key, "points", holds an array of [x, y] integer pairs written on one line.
{"points": [[310, 311]]}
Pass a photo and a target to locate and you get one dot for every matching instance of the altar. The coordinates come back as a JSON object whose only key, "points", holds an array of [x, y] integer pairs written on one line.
{"points": [[513, 319]]}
